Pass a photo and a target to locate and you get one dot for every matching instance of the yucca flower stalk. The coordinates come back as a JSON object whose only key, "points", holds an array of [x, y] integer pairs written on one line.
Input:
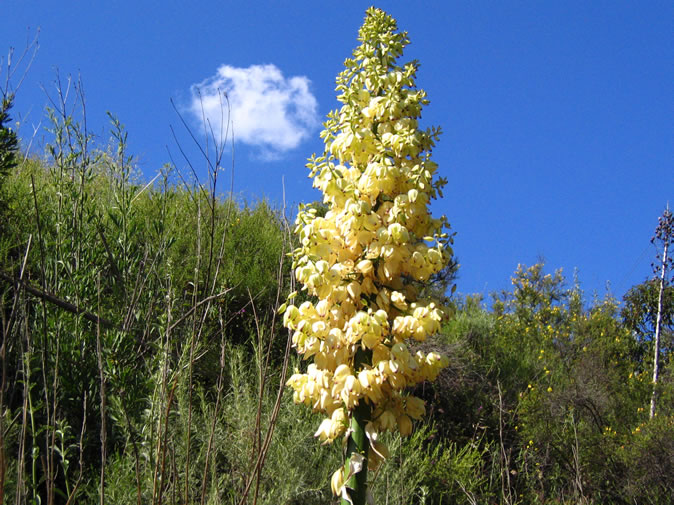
{"points": [[368, 257]]}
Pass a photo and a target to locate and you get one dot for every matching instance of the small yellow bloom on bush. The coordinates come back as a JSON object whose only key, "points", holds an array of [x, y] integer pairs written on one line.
{"points": [[367, 258]]}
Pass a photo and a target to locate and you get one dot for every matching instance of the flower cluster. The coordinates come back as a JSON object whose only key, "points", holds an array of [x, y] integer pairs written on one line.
{"points": [[368, 255]]}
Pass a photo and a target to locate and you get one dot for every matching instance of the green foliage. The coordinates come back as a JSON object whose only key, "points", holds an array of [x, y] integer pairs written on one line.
{"points": [[648, 460], [564, 389], [114, 325], [640, 311], [9, 142], [9, 148], [424, 469]]}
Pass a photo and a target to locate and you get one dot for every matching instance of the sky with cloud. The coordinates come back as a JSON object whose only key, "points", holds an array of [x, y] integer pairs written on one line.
{"points": [[557, 117], [266, 109]]}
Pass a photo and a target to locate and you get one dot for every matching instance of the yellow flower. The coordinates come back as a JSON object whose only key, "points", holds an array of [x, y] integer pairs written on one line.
{"points": [[337, 481], [386, 421], [415, 407], [404, 425], [367, 256], [332, 427]]}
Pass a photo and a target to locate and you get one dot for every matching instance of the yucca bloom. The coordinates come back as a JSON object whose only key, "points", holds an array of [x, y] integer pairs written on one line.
{"points": [[367, 257]]}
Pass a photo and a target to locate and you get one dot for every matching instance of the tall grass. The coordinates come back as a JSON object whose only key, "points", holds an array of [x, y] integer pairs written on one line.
{"points": [[123, 307]]}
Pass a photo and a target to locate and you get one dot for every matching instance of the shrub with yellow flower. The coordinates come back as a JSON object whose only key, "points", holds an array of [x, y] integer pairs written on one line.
{"points": [[368, 257]]}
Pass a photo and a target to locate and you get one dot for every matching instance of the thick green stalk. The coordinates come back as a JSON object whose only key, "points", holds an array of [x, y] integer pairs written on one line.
{"points": [[358, 442]]}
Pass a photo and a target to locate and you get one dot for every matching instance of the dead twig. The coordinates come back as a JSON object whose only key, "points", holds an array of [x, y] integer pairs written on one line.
{"points": [[55, 300]]}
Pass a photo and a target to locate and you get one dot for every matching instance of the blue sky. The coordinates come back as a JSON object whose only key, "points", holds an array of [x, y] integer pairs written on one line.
{"points": [[558, 117]]}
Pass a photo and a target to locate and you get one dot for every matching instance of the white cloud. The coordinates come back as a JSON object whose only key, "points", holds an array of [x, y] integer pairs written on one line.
{"points": [[268, 110]]}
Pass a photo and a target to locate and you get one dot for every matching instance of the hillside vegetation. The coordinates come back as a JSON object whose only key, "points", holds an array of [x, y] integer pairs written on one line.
{"points": [[143, 359]]}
